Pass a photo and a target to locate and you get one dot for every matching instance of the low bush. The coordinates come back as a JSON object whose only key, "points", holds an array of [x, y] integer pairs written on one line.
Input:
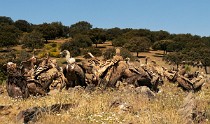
{"points": [[109, 53], [95, 51]]}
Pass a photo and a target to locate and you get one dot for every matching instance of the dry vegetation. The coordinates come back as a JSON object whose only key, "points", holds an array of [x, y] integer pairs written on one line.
{"points": [[97, 107]]}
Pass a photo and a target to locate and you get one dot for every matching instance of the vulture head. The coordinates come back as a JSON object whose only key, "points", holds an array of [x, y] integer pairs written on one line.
{"points": [[127, 60], [65, 53], [11, 68], [71, 62]]}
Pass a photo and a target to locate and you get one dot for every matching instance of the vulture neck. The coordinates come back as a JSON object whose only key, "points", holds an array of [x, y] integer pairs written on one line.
{"points": [[67, 55]]}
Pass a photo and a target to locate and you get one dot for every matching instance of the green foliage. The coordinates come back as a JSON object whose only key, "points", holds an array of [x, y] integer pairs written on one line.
{"points": [[54, 54], [23, 55], [82, 41], [53, 50], [7, 20], [48, 46], [162, 45], [52, 30], [23, 25], [119, 42], [97, 35], [131, 33], [81, 27], [72, 47], [187, 68], [53, 44], [33, 40], [175, 57], [160, 35], [109, 53], [205, 56], [113, 33], [95, 51], [138, 44], [9, 35], [2, 71], [126, 54]]}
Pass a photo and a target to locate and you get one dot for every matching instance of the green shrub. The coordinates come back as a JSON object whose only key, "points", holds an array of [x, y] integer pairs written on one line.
{"points": [[53, 44], [48, 46], [71, 47], [53, 50], [42, 54], [109, 53], [127, 54], [54, 54], [119, 41], [23, 55], [96, 52], [2, 72], [187, 68]]}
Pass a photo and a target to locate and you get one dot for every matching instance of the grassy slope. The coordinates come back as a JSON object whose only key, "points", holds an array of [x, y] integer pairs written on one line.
{"points": [[95, 107]]}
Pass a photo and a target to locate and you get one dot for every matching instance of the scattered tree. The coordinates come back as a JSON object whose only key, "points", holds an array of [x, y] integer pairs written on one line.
{"points": [[162, 45], [113, 33], [175, 58], [138, 44], [23, 25], [9, 35], [82, 41], [119, 42], [7, 20], [97, 35], [81, 27]]}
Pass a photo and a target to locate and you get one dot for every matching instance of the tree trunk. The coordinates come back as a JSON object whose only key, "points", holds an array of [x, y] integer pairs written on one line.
{"points": [[96, 45], [137, 54]]}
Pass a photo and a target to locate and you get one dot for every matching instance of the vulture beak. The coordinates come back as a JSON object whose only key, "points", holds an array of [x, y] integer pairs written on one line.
{"points": [[61, 54]]}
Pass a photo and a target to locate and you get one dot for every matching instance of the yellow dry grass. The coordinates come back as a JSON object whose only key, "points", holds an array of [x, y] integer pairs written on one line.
{"points": [[94, 107]]}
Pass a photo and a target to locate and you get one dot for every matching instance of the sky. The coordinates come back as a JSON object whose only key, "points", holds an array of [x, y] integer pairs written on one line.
{"points": [[174, 16]]}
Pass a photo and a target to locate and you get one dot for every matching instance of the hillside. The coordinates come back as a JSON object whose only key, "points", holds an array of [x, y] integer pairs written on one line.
{"points": [[126, 105]]}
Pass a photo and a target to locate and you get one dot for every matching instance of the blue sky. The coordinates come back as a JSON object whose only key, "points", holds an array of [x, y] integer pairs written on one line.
{"points": [[174, 16]]}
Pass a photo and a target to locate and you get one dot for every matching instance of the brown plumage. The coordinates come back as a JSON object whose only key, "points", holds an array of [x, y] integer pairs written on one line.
{"points": [[16, 83], [74, 73]]}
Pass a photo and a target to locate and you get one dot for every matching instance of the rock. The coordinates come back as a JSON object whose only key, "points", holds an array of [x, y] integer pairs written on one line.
{"points": [[90, 88], [187, 109], [32, 114], [120, 106], [5, 110], [144, 90]]}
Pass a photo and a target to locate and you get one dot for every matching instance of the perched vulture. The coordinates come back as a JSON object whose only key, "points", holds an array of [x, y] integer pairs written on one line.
{"points": [[16, 83], [74, 73]]}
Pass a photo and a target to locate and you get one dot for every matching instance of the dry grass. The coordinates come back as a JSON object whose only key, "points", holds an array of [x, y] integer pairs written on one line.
{"points": [[94, 107]]}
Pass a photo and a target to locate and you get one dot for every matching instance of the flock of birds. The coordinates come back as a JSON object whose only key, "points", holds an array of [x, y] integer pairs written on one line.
{"points": [[38, 76]]}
